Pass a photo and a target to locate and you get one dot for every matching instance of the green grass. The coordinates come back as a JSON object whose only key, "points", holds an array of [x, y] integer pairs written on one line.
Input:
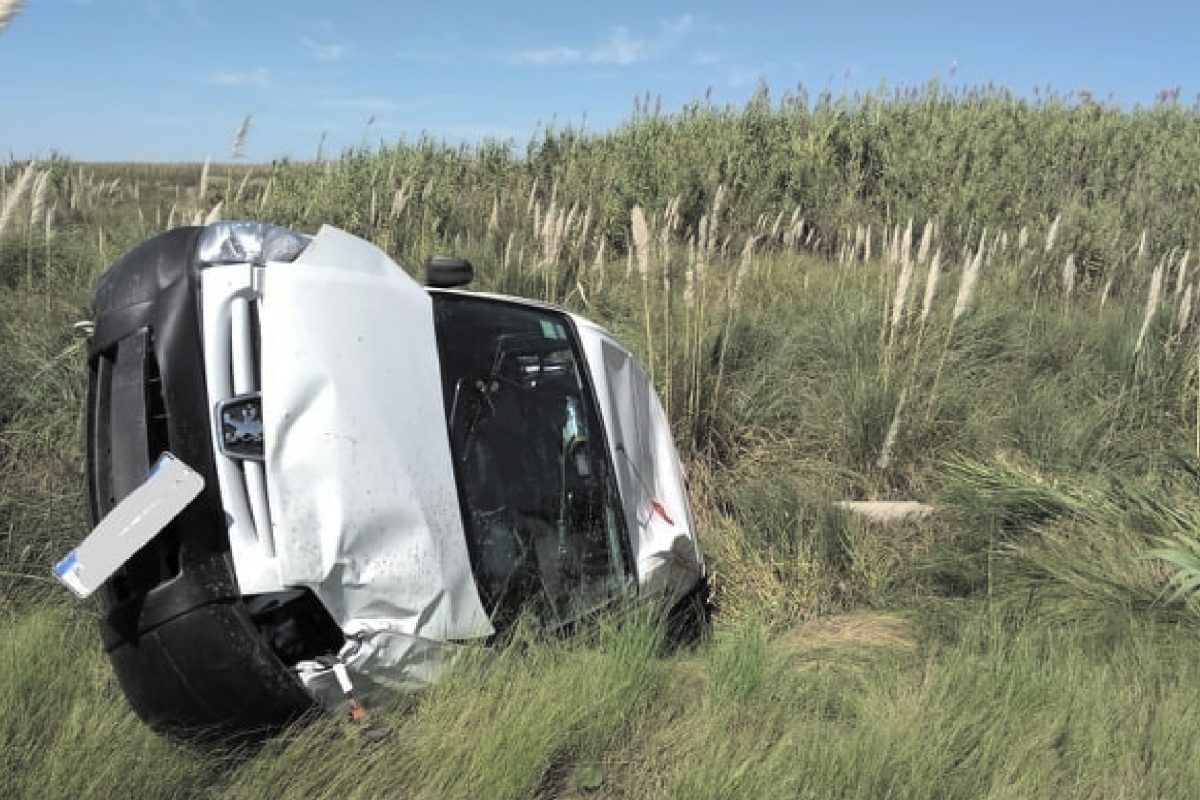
{"points": [[1025, 641]]}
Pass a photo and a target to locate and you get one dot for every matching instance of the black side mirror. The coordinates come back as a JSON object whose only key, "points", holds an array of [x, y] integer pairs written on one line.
{"points": [[446, 272]]}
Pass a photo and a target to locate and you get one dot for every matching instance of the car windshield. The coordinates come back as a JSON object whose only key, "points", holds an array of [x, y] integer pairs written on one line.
{"points": [[540, 504]]}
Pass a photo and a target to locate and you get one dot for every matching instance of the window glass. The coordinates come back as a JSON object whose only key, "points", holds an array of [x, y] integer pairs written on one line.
{"points": [[540, 503]]}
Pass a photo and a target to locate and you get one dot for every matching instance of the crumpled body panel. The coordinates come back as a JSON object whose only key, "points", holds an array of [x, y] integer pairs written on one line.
{"points": [[363, 501]]}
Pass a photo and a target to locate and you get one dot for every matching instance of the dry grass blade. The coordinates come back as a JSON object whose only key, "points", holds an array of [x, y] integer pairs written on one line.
{"points": [[215, 213]]}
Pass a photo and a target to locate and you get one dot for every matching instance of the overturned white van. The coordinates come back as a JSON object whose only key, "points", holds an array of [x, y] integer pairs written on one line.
{"points": [[382, 471]]}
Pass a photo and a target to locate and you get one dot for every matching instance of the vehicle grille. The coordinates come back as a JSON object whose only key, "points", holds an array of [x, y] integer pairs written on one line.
{"points": [[246, 377], [127, 429]]}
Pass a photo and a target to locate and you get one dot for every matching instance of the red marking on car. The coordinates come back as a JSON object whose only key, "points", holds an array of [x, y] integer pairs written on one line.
{"points": [[657, 508]]}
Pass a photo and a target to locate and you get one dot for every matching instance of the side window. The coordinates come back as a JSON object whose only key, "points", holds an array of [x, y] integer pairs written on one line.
{"points": [[540, 501]]}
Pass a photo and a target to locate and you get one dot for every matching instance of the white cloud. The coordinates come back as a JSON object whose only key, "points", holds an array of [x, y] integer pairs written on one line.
{"points": [[327, 52], [704, 58], [620, 48], [258, 78]]}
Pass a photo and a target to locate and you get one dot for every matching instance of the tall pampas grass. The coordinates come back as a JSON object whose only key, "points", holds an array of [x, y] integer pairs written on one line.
{"points": [[931, 282], [1152, 298], [237, 148], [640, 233], [900, 299], [15, 195], [51, 215], [1185, 311], [926, 243], [968, 282], [1068, 277], [37, 207], [1052, 233], [893, 433]]}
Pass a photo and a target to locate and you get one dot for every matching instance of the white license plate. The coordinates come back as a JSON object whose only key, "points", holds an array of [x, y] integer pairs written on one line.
{"points": [[137, 519]]}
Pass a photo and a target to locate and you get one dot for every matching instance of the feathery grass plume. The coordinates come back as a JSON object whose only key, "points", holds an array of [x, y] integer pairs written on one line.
{"points": [[237, 148], [398, 203], [893, 433], [970, 278], [1156, 281], [714, 217], [15, 194], [171, 216], [585, 228], [926, 243], [931, 282], [689, 275], [1023, 238], [906, 244], [37, 208], [1143, 249], [8, 12], [493, 224], [744, 266], [901, 297], [867, 245], [532, 195], [215, 213], [507, 252], [203, 190], [51, 214], [569, 220], [859, 235], [1068, 277], [641, 241], [776, 226], [1181, 272], [548, 234], [1052, 233], [598, 262], [1106, 291], [1185, 311]]}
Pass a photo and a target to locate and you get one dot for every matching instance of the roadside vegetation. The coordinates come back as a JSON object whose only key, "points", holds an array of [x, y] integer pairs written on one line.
{"points": [[978, 302]]}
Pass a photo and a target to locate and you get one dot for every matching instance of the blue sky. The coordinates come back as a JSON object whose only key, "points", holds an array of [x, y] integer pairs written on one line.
{"points": [[172, 79]]}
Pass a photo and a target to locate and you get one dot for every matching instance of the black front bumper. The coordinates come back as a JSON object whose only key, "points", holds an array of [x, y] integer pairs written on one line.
{"points": [[186, 651]]}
